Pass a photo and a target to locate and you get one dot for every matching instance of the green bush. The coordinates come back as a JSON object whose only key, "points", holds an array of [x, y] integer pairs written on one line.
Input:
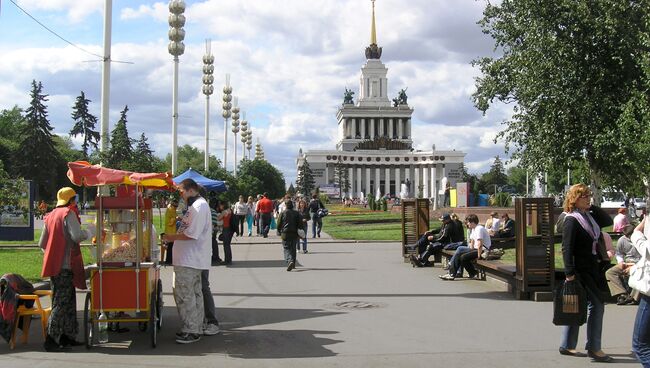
{"points": [[384, 205], [502, 199]]}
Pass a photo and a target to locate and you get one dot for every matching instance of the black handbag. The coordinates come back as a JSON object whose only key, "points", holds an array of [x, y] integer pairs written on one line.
{"points": [[570, 304]]}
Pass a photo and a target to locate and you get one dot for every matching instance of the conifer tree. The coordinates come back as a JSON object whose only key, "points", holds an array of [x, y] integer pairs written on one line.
{"points": [[342, 179], [143, 156], [36, 151], [292, 190], [305, 180], [84, 124], [120, 154]]}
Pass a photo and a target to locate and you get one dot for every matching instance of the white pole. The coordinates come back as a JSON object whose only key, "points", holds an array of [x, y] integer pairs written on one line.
{"points": [[527, 191], [207, 132], [568, 177], [175, 117], [234, 164], [106, 75]]}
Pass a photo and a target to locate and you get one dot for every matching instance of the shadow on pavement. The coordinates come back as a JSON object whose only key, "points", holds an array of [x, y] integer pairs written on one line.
{"points": [[262, 263], [238, 338], [493, 295]]}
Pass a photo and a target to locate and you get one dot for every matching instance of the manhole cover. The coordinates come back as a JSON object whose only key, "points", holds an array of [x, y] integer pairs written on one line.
{"points": [[357, 305]]}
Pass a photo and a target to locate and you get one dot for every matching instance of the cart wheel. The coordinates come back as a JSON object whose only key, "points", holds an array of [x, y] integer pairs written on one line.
{"points": [[89, 326], [159, 305], [142, 326], [153, 320]]}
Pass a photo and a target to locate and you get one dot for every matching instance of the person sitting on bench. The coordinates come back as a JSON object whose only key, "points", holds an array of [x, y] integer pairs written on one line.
{"points": [[479, 240], [508, 230], [430, 244]]}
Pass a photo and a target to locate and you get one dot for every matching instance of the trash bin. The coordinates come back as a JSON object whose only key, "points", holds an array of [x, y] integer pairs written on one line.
{"points": [[483, 199]]}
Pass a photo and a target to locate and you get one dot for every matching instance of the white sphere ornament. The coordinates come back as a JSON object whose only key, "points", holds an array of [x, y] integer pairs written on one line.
{"points": [[176, 20]]}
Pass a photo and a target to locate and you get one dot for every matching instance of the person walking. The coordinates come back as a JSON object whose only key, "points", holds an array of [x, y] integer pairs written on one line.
{"points": [[583, 262], [63, 264], [641, 332], [241, 209], [216, 228], [288, 224], [265, 213], [192, 254], [229, 221], [250, 214], [316, 222], [303, 209]]}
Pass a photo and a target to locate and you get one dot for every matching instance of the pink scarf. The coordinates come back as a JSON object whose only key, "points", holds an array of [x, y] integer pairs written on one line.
{"points": [[590, 227]]}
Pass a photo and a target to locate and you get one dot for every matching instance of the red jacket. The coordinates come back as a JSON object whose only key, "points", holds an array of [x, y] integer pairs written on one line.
{"points": [[265, 205], [55, 249]]}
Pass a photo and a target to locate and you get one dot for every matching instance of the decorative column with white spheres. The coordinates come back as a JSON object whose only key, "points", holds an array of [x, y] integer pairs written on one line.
{"points": [[227, 105], [235, 130], [176, 48], [208, 89]]}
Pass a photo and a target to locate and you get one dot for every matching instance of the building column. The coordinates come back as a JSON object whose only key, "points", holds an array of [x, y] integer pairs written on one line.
{"points": [[327, 174], [351, 181], [368, 182], [377, 179], [387, 181], [390, 128], [416, 181], [408, 128], [372, 128], [359, 189], [398, 184], [434, 186], [425, 182], [381, 127], [363, 128], [400, 129]]}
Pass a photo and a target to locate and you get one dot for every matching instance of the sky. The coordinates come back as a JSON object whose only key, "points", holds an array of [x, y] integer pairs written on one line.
{"points": [[289, 62]]}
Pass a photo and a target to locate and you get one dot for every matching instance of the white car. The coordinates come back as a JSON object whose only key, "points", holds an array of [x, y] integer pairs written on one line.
{"points": [[612, 203], [639, 203]]}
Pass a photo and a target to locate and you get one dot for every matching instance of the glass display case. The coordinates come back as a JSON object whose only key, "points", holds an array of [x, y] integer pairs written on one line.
{"points": [[126, 224]]}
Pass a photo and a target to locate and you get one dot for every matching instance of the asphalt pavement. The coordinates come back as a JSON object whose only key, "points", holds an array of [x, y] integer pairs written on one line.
{"points": [[347, 304]]}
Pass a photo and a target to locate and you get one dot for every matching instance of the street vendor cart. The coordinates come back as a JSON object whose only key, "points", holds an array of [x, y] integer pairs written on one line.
{"points": [[125, 283]]}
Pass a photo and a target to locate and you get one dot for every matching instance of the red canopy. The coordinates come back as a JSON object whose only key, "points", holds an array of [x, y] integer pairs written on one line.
{"points": [[83, 173]]}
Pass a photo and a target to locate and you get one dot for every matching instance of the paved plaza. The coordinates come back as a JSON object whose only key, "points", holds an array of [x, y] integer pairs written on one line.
{"points": [[347, 304]]}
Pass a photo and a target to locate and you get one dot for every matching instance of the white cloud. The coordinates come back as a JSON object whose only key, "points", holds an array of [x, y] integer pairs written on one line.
{"points": [[76, 10], [290, 61]]}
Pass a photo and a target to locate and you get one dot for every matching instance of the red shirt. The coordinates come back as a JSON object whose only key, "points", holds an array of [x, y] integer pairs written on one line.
{"points": [[265, 205]]}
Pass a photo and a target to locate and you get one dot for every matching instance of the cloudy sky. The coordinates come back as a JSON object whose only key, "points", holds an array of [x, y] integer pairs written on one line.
{"points": [[289, 61]]}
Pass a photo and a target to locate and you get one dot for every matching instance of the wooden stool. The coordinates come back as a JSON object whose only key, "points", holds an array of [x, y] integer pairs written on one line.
{"points": [[26, 314]]}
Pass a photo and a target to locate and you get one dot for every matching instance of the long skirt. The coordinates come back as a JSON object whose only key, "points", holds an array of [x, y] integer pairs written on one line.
{"points": [[63, 318]]}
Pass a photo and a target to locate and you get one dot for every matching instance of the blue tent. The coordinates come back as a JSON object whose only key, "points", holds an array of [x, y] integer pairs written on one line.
{"points": [[209, 184]]}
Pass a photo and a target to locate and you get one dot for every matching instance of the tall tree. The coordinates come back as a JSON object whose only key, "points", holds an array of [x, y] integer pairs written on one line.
{"points": [[11, 122], [191, 157], [145, 160], [342, 178], [120, 154], [305, 179], [271, 178], [84, 124], [497, 174], [36, 150], [291, 190], [572, 68]]}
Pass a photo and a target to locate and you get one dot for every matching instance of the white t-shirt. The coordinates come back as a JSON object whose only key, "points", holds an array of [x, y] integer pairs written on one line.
{"points": [[196, 224], [479, 232], [496, 224]]}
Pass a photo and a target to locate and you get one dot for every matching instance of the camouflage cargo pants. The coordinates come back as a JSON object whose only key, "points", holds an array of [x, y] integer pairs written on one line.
{"points": [[189, 299]]}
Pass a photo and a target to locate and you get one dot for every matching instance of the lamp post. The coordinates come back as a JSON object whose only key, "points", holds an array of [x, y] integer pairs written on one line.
{"points": [[235, 130], [175, 48], [106, 76], [208, 79], [244, 134], [249, 141], [227, 97]]}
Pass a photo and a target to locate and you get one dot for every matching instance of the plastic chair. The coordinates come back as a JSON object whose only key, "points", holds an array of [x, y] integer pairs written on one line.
{"points": [[26, 314]]}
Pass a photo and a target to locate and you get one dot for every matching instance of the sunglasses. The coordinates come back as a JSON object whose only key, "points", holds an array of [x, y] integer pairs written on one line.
{"points": [[585, 196]]}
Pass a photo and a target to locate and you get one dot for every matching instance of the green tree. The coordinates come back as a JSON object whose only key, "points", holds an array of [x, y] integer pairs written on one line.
{"points": [[342, 178], [292, 190], [496, 176], [572, 69], [191, 157], [120, 154], [272, 180], [305, 179], [517, 179], [36, 151], [84, 124], [144, 160], [11, 122]]}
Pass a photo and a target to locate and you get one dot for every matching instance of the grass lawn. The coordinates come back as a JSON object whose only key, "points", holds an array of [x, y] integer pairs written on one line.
{"points": [[356, 223], [28, 262]]}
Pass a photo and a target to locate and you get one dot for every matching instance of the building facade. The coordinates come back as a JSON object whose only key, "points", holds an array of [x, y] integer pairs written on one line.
{"points": [[374, 151]]}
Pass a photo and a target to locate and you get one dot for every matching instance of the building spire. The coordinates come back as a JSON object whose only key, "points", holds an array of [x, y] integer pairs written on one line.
{"points": [[373, 51], [373, 30]]}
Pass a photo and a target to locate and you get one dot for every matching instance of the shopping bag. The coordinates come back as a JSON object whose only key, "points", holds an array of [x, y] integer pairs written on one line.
{"points": [[640, 275], [570, 304], [273, 224]]}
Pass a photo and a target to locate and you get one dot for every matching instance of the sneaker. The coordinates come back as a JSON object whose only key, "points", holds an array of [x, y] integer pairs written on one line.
{"points": [[187, 338], [447, 277], [305, 251], [446, 268], [211, 329], [291, 266]]}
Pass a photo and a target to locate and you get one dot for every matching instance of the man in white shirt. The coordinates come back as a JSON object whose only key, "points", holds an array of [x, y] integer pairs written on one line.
{"points": [[479, 240], [192, 254]]}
